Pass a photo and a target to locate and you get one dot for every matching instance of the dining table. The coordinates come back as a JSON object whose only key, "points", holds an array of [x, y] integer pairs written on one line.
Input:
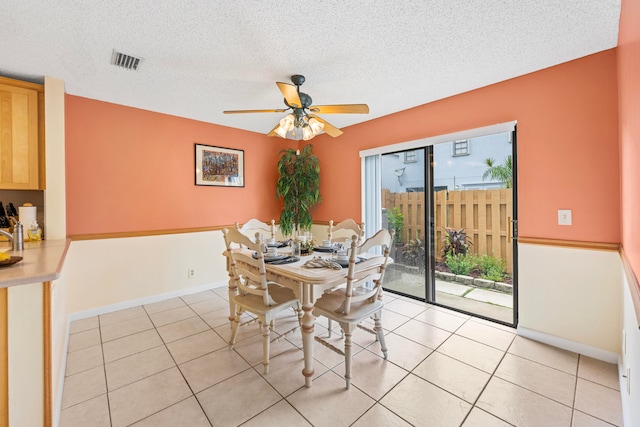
{"points": [[308, 284]]}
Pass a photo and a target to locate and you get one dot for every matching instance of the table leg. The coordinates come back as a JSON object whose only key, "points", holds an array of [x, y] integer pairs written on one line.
{"points": [[308, 321], [233, 291]]}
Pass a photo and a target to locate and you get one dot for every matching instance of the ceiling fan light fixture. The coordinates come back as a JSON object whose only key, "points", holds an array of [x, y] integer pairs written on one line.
{"points": [[315, 126], [281, 132], [287, 123], [307, 133]]}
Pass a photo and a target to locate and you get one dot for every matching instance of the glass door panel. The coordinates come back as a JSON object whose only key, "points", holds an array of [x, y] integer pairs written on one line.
{"points": [[404, 210], [472, 212]]}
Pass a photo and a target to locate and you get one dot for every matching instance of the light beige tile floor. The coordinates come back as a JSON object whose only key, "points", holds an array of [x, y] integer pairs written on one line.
{"points": [[168, 364]]}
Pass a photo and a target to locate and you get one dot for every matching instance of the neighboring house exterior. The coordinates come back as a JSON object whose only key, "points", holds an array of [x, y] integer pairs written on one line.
{"points": [[458, 165]]}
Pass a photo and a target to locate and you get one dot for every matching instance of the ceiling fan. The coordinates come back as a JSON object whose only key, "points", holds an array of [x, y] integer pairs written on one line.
{"points": [[300, 118]]}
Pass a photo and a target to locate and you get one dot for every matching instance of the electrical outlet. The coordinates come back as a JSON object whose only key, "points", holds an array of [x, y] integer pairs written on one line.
{"points": [[564, 217], [191, 273]]}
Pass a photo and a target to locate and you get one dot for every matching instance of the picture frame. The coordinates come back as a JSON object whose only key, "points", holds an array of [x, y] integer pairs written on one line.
{"points": [[219, 166]]}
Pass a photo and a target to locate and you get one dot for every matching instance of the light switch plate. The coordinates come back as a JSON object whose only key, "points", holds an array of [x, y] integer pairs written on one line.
{"points": [[564, 216]]}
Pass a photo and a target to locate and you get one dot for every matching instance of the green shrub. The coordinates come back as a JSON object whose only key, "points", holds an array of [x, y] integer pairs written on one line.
{"points": [[492, 268], [396, 222], [461, 264], [493, 274]]}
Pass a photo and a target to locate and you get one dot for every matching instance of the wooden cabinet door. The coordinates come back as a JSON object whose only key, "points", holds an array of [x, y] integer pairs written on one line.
{"points": [[18, 138]]}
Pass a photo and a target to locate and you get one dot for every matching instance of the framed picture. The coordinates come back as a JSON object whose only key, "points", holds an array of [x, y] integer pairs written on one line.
{"points": [[219, 166]]}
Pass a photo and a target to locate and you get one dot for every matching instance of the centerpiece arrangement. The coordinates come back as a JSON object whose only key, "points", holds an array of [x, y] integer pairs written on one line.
{"points": [[307, 246]]}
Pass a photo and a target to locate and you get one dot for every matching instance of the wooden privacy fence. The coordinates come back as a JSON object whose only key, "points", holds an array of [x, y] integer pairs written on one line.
{"points": [[484, 214]]}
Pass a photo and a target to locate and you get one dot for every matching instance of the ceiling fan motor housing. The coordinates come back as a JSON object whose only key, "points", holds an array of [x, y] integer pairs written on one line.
{"points": [[297, 79], [305, 100]]}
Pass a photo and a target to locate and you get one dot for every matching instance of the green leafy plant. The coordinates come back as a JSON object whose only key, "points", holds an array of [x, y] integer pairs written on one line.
{"points": [[455, 242], [461, 263], [503, 173], [414, 254], [492, 268], [396, 222], [299, 188]]}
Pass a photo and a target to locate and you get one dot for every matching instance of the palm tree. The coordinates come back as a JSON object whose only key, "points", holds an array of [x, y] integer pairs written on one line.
{"points": [[502, 173]]}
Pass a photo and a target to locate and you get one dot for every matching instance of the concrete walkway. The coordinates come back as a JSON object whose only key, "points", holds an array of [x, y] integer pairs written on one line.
{"points": [[478, 294], [483, 302]]}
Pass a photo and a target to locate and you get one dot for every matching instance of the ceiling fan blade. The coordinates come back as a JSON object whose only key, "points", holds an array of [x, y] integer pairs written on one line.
{"points": [[340, 109], [290, 93], [273, 131], [328, 127], [279, 110]]}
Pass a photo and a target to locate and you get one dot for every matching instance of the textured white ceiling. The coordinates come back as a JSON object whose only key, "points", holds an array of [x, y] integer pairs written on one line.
{"points": [[203, 57]]}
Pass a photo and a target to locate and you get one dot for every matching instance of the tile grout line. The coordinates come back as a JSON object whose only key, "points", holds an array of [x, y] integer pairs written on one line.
{"points": [[504, 354], [181, 374], [104, 369]]}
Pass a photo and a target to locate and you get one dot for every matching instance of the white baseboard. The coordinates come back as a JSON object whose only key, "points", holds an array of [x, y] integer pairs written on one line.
{"points": [[146, 300], [576, 347]]}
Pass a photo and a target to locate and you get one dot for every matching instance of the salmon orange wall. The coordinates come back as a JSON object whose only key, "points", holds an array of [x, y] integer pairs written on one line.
{"points": [[133, 170], [568, 154], [629, 107]]}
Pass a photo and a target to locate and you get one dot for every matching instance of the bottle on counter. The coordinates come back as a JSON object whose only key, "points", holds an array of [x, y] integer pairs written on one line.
{"points": [[18, 237], [34, 232]]}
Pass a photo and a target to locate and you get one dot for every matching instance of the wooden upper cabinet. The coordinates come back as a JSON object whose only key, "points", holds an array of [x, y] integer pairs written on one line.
{"points": [[21, 135]]}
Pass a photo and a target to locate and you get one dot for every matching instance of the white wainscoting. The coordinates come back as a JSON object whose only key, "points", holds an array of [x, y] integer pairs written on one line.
{"points": [[629, 365], [573, 295], [113, 272]]}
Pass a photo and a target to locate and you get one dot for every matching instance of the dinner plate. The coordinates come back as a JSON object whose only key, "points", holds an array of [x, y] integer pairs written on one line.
{"points": [[10, 261], [268, 258], [276, 245], [323, 248]]}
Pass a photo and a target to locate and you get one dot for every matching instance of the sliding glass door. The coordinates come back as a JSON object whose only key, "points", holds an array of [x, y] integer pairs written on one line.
{"points": [[452, 206]]}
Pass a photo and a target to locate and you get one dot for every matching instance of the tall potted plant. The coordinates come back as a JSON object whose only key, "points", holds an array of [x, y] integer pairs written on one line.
{"points": [[299, 188]]}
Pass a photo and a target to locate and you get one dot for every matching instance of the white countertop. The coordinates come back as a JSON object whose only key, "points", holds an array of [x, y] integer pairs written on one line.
{"points": [[41, 262]]}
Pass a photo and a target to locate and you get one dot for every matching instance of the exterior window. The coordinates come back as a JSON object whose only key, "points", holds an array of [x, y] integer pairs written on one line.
{"points": [[410, 156], [461, 147]]}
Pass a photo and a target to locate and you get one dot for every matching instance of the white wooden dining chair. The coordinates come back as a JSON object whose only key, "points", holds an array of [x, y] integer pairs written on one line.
{"points": [[249, 229], [256, 295], [348, 225], [356, 302], [253, 225]]}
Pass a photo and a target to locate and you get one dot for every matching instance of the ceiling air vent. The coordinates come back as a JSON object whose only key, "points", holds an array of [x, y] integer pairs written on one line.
{"points": [[125, 61]]}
